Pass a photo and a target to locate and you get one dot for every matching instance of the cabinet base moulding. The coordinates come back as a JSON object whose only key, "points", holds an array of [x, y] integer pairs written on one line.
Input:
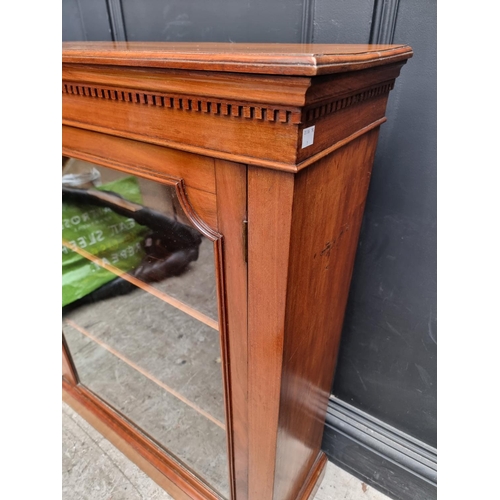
{"points": [[167, 473]]}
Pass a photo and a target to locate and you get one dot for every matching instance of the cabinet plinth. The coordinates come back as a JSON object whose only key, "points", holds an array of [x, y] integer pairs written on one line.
{"points": [[266, 151]]}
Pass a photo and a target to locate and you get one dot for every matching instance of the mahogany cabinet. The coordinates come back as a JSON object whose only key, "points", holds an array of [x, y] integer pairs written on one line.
{"points": [[212, 201]]}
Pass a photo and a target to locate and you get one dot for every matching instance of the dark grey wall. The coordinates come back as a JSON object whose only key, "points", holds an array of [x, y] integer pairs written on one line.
{"points": [[341, 21], [85, 20], [387, 361]]}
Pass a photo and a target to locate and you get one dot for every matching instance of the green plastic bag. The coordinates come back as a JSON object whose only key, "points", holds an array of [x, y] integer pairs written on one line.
{"points": [[113, 238]]}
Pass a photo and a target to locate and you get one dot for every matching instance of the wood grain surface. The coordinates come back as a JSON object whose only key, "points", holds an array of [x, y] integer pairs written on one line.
{"points": [[259, 119], [328, 206], [270, 137], [262, 89], [120, 153], [270, 196], [231, 182], [270, 58], [68, 369]]}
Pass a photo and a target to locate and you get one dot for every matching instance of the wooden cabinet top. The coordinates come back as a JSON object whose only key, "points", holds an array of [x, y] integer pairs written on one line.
{"points": [[269, 58], [280, 106]]}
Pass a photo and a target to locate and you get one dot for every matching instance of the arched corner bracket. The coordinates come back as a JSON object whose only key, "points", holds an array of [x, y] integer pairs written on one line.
{"points": [[146, 173], [192, 215]]}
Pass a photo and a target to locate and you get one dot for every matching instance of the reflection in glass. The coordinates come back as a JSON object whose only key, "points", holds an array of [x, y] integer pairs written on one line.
{"points": [[140, 312]]}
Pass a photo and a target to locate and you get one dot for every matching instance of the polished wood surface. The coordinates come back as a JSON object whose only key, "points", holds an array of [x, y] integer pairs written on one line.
{"points": [[271, 58], [296, 300], [224, 124], [270, 196], [207, 84], [231, 182], [347, 111], [170, 122], [68, 370], [327, 212], [313, 480], [195, 171], [263, 128]]}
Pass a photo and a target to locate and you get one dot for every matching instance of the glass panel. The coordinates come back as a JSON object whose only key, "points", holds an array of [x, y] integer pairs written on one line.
{"points": [[140, 312]]}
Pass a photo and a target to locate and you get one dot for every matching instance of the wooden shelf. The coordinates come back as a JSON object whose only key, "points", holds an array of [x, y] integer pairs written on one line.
{"points": [[185, 308], [144, 372]]}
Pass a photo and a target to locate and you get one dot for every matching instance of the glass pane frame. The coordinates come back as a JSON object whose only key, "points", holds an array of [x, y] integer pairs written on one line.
{"points": [[216, 238]]}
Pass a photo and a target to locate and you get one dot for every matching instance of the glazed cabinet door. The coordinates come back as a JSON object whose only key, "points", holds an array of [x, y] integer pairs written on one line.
{"points": [[154, 306]]}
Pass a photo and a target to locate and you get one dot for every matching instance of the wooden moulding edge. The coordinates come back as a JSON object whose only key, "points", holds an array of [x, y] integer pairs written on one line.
{"points": [[292, 64], [165, 471], [221, 107], [314, 478], [247, 160]]}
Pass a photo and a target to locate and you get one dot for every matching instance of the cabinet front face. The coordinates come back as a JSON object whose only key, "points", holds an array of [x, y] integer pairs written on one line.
{"points": [[141, 313]]}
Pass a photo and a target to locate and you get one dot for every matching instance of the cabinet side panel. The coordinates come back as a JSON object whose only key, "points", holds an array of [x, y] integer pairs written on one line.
{"points": [[328, 205], [204, 204], [231, 182], [341, 124], [270, 196]]}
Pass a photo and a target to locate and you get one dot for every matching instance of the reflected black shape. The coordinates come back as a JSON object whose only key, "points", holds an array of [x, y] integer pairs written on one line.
{"points": [[169, 247], [179, 237]]}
